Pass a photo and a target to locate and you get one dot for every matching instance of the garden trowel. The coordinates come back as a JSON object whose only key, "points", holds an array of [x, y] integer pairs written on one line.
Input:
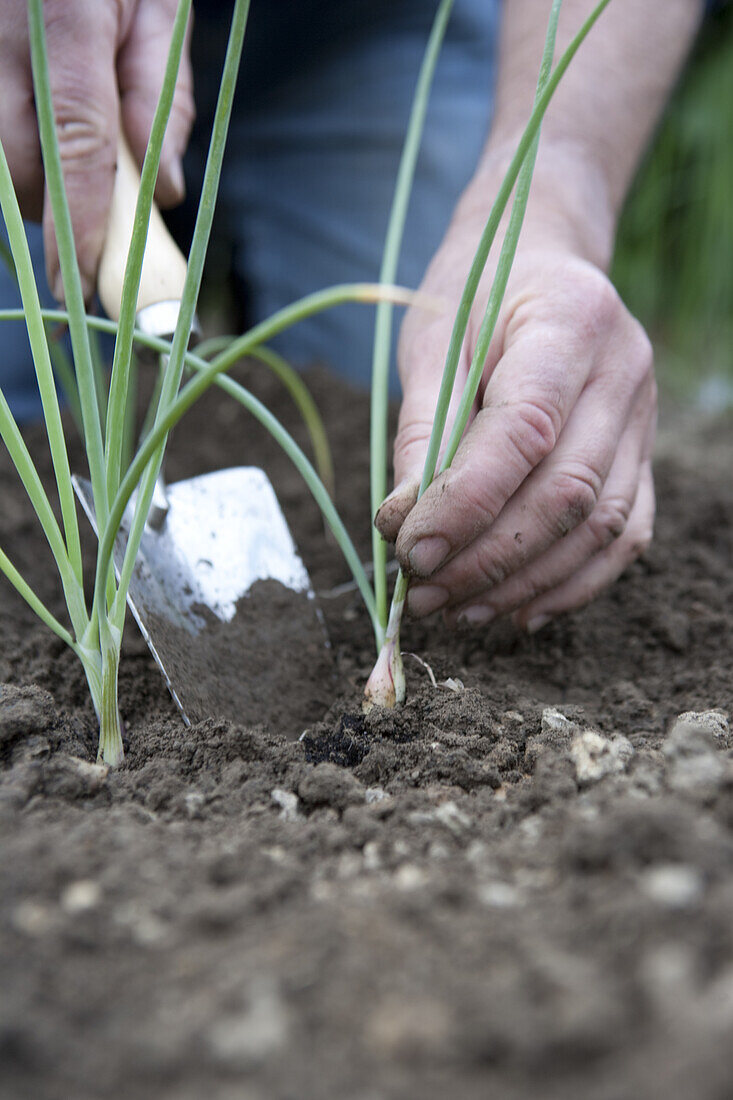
{"points": [[220, 594]]}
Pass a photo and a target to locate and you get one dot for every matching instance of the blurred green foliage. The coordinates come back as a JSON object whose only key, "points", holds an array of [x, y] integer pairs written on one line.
{"points": [[674, 255]]}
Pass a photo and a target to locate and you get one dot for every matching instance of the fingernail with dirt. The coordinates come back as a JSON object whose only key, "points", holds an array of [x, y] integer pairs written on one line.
{"points": [[395, 507], [427, 555], [537, 623], [425, 599]]}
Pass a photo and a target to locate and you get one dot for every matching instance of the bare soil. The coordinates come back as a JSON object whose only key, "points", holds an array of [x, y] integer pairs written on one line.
{"points": [[522, 889]]}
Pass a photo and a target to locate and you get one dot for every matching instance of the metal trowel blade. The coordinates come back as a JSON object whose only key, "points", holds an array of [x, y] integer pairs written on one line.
{"points": [[224, 601]]}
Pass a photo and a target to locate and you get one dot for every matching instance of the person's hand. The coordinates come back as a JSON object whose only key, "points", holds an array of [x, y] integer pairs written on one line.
{"points": [[106, 60], [550, 495]]}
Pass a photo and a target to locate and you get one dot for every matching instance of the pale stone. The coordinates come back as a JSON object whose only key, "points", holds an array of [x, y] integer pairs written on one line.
{"points": [[243, 1039], [194, 803], [288, 802], [695, 767], [554, 721], [32, 918], [594, 756], [499, 895], [454, 819], [375, 794], [714, 722], [673, 885], [79, 897], [409, 877]]}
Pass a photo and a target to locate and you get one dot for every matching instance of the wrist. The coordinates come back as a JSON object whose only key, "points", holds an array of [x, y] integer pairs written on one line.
{"points": [[569, 206]]}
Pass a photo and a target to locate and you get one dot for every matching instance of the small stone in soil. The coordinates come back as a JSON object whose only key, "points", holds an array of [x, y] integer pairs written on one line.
{"points": [[375, 794], [673, 885], [714, 722], [241, 1040], [696, 768], [499, 895], [595, 757], [288, 803], [80, 896], [554, 721]]}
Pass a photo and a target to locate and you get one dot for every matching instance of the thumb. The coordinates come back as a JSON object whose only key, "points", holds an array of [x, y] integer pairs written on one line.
{"points": [[422, 351], [140, 71], [82, 40]]}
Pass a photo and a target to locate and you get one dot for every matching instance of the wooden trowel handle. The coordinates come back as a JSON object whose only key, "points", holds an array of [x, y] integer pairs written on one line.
{"points": [[164, 266]]}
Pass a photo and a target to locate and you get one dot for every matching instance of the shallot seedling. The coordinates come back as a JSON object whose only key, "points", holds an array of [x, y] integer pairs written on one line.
{"points": [[386, 684], [95, 633]]}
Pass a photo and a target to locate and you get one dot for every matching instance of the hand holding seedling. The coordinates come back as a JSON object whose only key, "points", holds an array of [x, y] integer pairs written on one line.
{"points": [[550, 493], [106, 61]]}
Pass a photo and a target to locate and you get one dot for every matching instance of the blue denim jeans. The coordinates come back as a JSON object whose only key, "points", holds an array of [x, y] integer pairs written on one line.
{"points": [[322, 105]]}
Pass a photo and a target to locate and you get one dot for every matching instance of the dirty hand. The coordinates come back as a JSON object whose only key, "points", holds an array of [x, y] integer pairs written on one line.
{"points": [[550, 495], [106, 60]]}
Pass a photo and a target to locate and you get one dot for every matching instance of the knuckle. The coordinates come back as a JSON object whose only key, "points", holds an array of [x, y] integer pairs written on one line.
{"points": [[639, 539], [412, 433], [641, 357], [477, 498], [496, 562], [592, 305], [603, 302], [533, 430], [83, 131], [573, 498], [608, 520]]}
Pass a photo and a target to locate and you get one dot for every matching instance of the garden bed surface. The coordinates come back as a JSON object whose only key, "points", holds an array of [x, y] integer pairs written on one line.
{"points": [[477, 895]]}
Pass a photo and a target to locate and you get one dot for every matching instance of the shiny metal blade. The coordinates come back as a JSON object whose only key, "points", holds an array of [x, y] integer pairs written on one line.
{"points": [[223, 599]]}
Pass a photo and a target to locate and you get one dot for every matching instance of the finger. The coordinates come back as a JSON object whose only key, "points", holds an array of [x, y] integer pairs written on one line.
{"points": [[140, 69], [421, 356], [526, 403], [19, 134], [82, 42], [565, 558], [603, 569], [396, 508], [558, 496]]}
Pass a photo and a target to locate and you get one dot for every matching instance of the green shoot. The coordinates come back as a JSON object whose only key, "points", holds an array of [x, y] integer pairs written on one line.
{"points": [[487, 239], [96, 634], [100, 376], [7, 258], [122, 361], [101, 658], [63, 368], [60, 358], [386, 685], [174, 366], [67, 256], [42, 362], [385, 310]]}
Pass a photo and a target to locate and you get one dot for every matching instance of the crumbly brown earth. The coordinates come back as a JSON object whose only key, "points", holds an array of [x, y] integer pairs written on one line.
{"points": [[475, 896]]}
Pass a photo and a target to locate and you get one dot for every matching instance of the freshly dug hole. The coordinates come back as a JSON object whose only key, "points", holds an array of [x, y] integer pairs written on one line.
{"points": [[270, 663]]}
